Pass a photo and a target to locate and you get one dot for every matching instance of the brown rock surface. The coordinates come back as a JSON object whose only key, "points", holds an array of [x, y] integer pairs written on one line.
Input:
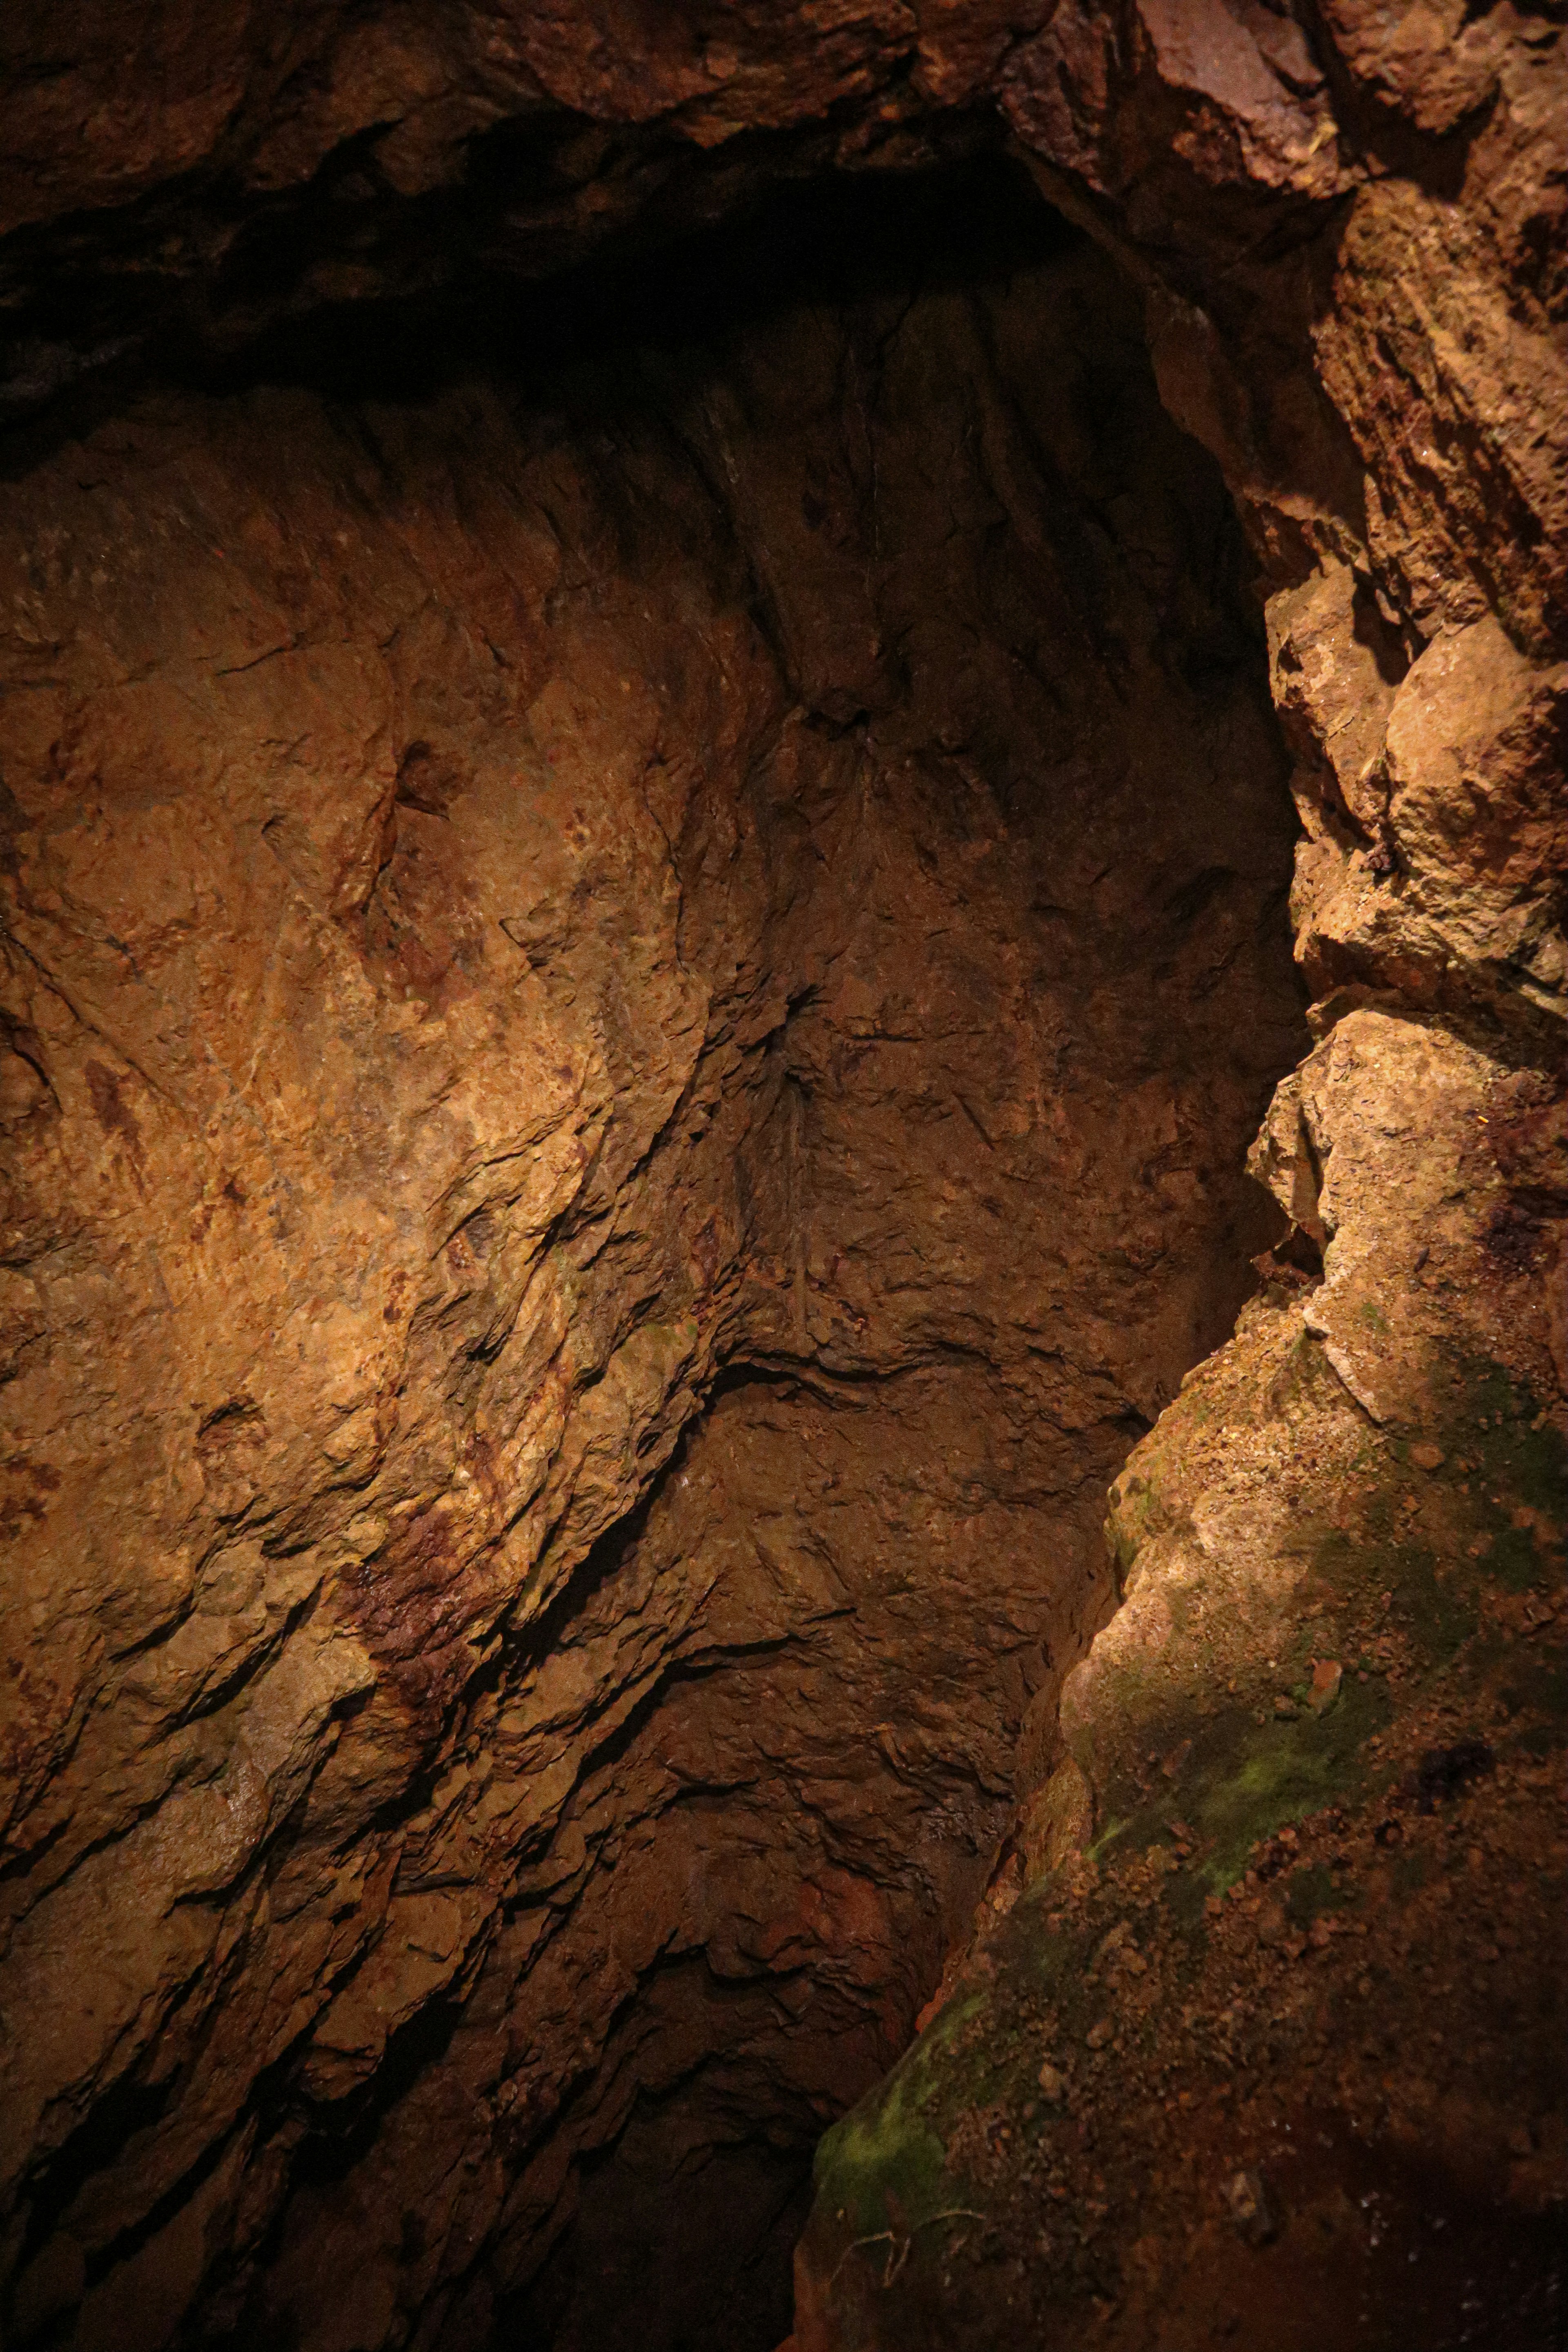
{"points": [[533, 880], [1290, 1931], [767, 854]]}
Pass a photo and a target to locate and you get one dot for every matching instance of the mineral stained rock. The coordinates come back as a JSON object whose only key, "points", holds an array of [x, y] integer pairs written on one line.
{"points": [[1259, 2029], [764, 857], [1285, 1923], [637, 977]]}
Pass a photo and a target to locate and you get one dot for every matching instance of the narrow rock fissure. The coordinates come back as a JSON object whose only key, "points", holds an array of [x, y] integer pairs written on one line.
{"points": [[673, 2232]]}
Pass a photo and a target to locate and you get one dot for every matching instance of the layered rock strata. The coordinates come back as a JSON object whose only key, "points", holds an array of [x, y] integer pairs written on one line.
{"points": [[763, 856], [1345, 230]]}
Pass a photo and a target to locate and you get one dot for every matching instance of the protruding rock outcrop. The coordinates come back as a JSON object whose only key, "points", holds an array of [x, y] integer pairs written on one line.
{"points": [[1264, 2017]]}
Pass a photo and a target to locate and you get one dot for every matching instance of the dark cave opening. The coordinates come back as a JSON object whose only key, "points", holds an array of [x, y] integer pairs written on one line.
{"points": [[820, 240], [953, 831]]}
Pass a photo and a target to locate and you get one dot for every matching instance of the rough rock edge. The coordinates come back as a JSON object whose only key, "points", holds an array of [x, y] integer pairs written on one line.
{"points": [[1419, 546], [1319, 1654]]}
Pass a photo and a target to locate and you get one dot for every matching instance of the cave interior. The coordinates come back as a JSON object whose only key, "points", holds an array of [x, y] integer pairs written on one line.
{"points": [[652, 919]]}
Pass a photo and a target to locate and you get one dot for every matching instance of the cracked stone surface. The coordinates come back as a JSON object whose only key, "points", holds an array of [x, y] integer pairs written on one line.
{"points": [[644, 930], [771, 863]]}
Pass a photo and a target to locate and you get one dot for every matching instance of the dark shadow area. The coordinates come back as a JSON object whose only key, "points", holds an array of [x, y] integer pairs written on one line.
{"points": [[848, 237], [203, 263], [693, 2261], [826, 238]]}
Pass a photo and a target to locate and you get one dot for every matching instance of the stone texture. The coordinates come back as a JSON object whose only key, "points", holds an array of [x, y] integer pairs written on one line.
{"points": [[770, 858], [1319, 1682], [1310, 1777], [470, 862]]}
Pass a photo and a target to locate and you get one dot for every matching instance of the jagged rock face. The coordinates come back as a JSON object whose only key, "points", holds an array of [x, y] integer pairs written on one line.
{"points": [[1271, 2034], [513, 935], [1347, 227], [761, 856]]}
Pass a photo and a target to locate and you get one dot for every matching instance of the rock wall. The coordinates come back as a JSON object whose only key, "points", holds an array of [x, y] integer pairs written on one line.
{"points": [[1262, 2025], [763, 856], [527, 896]]}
